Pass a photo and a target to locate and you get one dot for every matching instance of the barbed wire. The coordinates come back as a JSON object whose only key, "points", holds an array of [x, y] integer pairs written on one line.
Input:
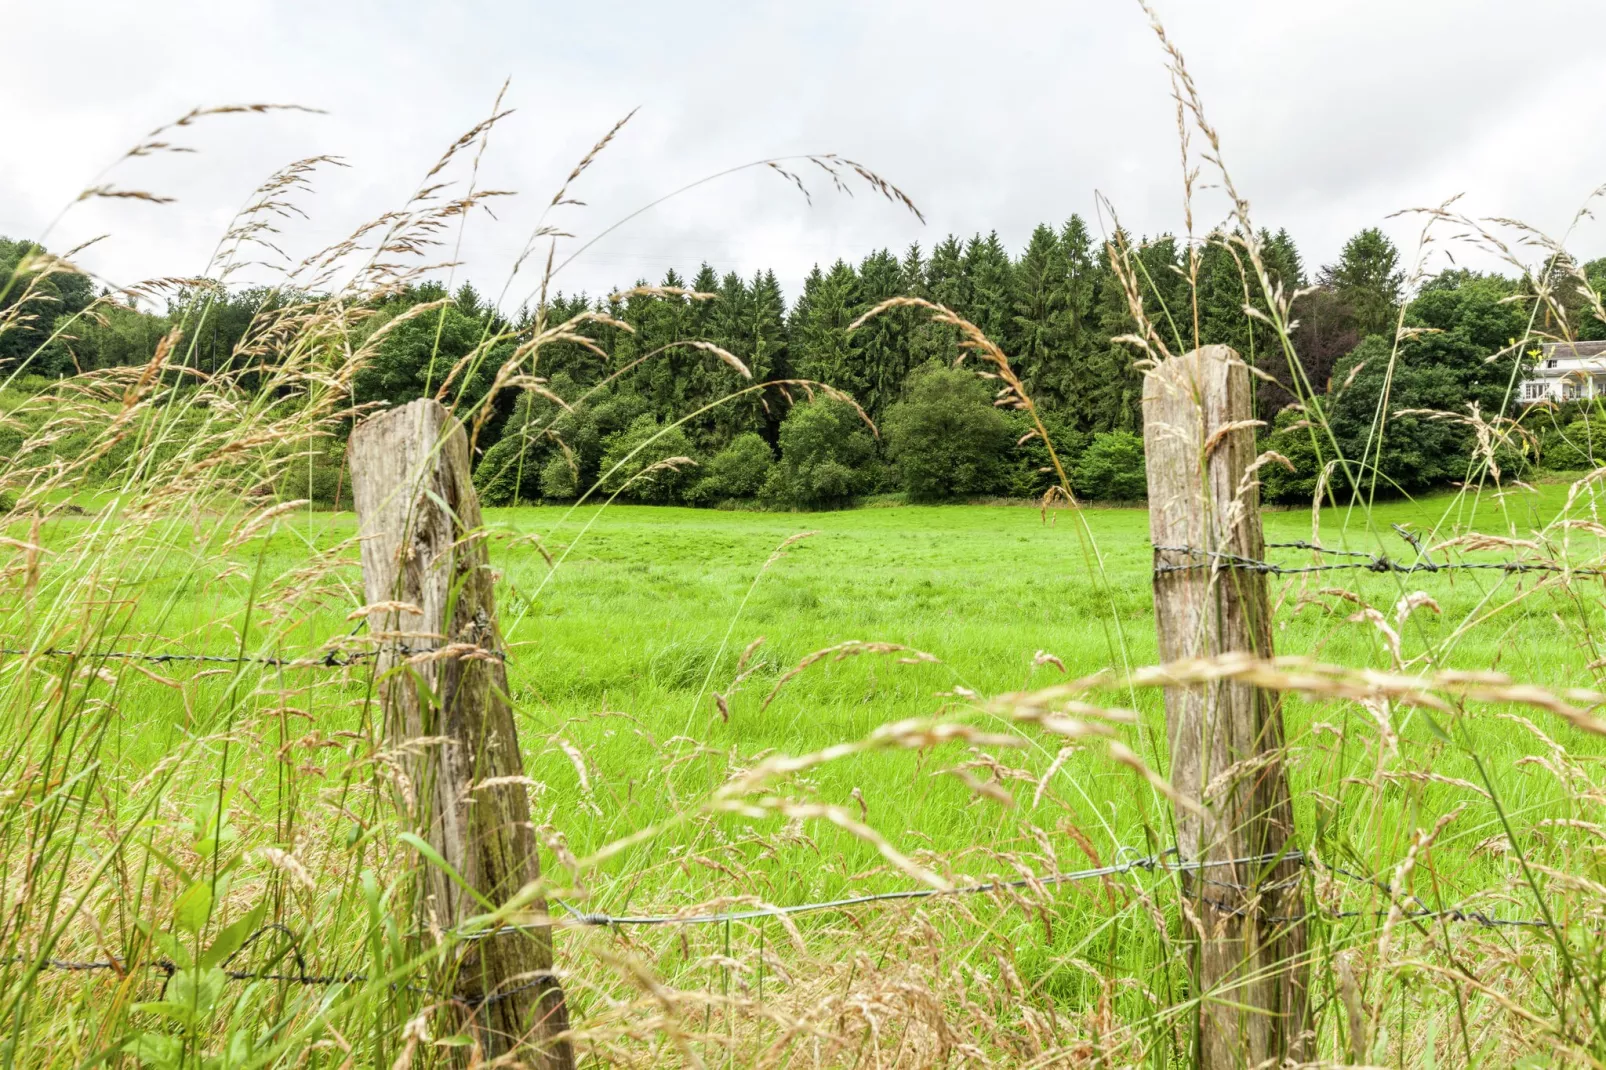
{"points": [[1152, 864], [168, 968], [1161, 863], [1378, 563], [330, 659]]}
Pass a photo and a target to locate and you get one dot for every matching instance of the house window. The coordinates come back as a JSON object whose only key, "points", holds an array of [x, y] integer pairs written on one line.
{"points": [[1550, 363]]}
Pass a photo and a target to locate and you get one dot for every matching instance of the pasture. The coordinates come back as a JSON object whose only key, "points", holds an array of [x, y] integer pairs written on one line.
{"points": [[650, 653]]}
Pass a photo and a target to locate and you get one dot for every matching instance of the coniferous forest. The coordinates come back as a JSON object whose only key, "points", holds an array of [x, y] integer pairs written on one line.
{"points": [[917, 424]]}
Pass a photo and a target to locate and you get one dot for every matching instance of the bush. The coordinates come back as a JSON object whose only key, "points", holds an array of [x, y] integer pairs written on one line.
{"points": [[318, 476], [1111, 469], [945, 438], [1031, 468], [1577, 447], [737, 471], [558, 477], [1291, 437], [516, 467], [1445, 369], [644, 455], [827, 457]]}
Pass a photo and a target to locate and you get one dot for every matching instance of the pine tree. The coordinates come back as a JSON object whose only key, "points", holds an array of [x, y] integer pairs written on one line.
{"points": [[1112, 398], [1367, 279], [988, 272], [1038, 320], [819, 330], [881, 346], [942, 281], [766, 336], [1068, 368]]}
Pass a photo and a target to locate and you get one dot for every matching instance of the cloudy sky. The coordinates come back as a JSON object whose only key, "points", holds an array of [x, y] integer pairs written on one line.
{"points": [[993, 115]]}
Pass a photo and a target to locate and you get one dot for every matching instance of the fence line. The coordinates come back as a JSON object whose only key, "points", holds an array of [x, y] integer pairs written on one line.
{"points": [[1150, 864], [1380, 563], [331, 659]]}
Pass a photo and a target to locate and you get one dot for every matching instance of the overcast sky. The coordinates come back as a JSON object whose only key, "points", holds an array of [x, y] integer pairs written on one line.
{"points": [[993, 115]]}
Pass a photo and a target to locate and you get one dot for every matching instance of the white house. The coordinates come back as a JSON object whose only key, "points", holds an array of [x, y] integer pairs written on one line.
{"points": [[1566, 371]]}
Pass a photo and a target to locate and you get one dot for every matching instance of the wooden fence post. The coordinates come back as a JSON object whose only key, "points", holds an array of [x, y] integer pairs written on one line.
{"points": [[419, 519], [1225, 737]]}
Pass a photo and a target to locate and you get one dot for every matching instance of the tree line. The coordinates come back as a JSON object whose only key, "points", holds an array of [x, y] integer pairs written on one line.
{"points": [[652, 414]]}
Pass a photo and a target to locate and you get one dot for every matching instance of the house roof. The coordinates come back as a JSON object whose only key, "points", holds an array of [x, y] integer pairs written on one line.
{"points": [[1571, 350]]}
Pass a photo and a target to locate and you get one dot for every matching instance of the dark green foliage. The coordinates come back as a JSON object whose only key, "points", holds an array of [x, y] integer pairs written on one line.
{"points": [[821, 349], [1295, 438], [41, 293], [737, 471], [318, 475], [113, 336], [1446, 371], [647, 462], [1111, 469], [1056, 311], [417, 356], [541, 440], [1576, 447], [1367, 278], [946, 439], [826, 458], [1031, 467]]}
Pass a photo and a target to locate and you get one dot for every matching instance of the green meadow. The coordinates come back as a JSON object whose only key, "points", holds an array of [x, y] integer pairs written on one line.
{"points": [[634, 697], [657, 654]]}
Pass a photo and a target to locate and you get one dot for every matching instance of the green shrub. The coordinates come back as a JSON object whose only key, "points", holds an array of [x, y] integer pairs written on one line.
{"points": [[945, 438], [827, 456], [558, 478], [737, 471], [1291, 437], [1111, 469], [532, 446], [1031, 468], [1573, 448], [319, 475], [638, 462]]}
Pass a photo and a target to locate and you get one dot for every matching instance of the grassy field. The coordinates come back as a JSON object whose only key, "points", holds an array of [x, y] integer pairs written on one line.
{"points": [[617, 655], [650, 664]]}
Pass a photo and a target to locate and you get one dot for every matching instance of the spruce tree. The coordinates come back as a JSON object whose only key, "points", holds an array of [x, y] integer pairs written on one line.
{"points": [[821, 349], [1038, 319], [1368, 279], [881, 346]]}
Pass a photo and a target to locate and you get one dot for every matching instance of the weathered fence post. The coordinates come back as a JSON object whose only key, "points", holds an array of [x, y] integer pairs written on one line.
{"points": [[1225, 737], [419, 520]]}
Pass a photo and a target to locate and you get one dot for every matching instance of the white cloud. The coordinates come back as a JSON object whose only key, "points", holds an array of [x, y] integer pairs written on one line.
{"points": [[992, 116]]}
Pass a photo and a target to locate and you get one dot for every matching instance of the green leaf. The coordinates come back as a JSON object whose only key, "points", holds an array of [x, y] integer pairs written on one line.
{"points": [[233, 936], [1438, 733], [433, 857], [155, 1049], [178, 870], [239, 1049], [194, 907], [456, 1040], [196, 991], [169, 946]]}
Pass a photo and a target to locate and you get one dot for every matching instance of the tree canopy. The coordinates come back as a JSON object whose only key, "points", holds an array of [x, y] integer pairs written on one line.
{"points": [[1060, 310]]}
